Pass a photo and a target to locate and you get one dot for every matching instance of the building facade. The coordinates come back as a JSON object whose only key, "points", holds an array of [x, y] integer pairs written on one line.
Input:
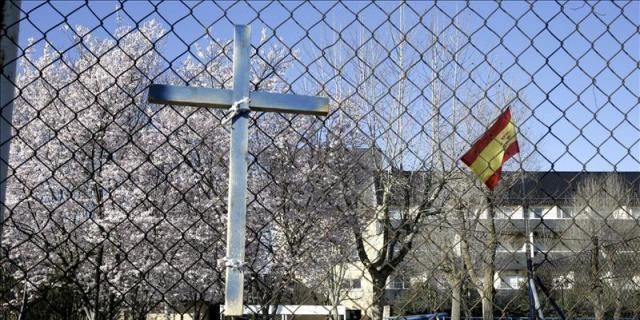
{"points": [[563, 220]]}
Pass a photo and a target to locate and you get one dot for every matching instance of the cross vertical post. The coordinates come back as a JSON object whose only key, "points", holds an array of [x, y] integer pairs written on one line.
{"points": [[237, 202]]}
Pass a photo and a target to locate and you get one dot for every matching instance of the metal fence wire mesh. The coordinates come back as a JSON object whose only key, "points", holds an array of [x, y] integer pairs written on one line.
{"points": [[115, 207]]}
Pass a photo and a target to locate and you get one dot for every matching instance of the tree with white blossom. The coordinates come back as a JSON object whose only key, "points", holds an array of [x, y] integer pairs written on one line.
{"points": [[115, 200]]}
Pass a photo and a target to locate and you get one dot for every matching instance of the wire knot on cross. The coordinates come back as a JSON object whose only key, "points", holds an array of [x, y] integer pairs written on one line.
{"points": [[238, 108], [232, 263]]}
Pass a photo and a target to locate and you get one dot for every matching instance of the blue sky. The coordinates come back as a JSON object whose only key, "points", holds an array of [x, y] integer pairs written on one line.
{"points": [[575, 64]]}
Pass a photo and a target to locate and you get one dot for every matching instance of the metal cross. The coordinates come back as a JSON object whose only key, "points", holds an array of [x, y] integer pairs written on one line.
{"points": [[240, 100]]}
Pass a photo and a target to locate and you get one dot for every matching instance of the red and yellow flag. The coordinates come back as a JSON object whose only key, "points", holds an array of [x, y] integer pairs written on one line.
{"points": [[493, 148]]}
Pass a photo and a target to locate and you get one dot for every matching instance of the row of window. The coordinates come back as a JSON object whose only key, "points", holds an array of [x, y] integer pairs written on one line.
{"points": [[513, 282], [399, 283], [537, 212], [564, 212], [505, 282]]}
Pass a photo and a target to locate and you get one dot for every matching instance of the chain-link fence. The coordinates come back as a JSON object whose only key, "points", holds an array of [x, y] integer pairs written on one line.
{"points": [[116, 208]]}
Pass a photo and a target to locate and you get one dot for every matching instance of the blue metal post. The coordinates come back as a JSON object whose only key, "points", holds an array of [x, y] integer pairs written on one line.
{"points": [[238, 174]]}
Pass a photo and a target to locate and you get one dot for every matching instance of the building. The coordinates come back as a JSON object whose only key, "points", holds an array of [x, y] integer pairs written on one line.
{"points": [[548, 215]]}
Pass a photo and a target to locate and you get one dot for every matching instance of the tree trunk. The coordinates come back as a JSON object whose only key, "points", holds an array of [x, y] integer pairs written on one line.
{"points": [[487, 307], [455, 277], [213, 311], [95, 314], [196, 307], [336, 280], [617, 312], [379, 299], [24, 302], [488, 291], [465, 302], [596, 286], [334, 312], [166, 311], [456, 300], [599, 313]]}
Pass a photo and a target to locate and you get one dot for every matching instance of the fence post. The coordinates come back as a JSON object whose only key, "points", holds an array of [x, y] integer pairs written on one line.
{"points": [[9, 24]]}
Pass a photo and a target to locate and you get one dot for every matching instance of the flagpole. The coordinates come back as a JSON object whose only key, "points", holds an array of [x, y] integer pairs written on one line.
{"points": [[529, 245], [486, 159], [534, 301]]}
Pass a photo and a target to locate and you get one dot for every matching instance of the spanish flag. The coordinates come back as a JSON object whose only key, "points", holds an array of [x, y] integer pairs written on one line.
{"points": [[493, 149]]}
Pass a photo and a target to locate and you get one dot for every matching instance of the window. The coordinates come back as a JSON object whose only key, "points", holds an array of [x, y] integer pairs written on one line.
{"points": [[512, 244], [623, 212], [513, 282], [509, 212], [633, 283], [398, 283], [564, 281], [353, 254], [395, 214], [537, 212], [396, 217], [352, 284], [567, 212], [395, 221]]}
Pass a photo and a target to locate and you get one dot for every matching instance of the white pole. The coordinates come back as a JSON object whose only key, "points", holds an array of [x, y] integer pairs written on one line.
{"points": [[8, 53], [234, 284], [531, 247], [536, 299]]}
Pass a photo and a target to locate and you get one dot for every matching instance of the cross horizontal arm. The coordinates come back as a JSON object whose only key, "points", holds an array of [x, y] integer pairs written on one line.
{"points": [[220, 98], [190, 96], [277, 102]]}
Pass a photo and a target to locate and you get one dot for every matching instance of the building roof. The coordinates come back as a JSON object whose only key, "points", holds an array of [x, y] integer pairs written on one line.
{"points": [[536, 188], [548, 187]]}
